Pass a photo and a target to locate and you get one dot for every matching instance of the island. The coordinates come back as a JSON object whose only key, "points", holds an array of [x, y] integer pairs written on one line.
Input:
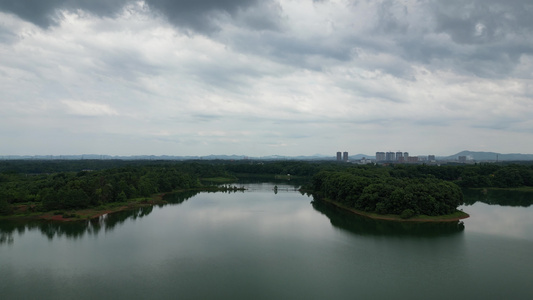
{"points": [[376, 194]]}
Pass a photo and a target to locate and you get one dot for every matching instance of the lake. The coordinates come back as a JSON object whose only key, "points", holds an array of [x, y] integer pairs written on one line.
{"points": [[269, 243]]}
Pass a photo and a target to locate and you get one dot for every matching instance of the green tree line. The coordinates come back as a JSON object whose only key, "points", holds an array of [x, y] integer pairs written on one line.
{"points": [[78, 184], [480, 175], [83, 189]]}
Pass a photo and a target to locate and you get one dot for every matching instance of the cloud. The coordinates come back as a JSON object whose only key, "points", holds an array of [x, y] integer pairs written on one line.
{"points": [[435, 33], [203, 77], [484, 38], [198, 16], [47, 13], [482, 22], [205, 16], [80, 108]]}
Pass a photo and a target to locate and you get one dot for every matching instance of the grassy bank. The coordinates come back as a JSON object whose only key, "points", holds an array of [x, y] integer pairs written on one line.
{"points": [[515, 189]]}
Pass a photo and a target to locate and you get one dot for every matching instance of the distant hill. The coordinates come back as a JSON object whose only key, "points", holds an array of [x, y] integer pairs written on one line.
{"points": [[489, 156], [164, 157], [471, 156]]}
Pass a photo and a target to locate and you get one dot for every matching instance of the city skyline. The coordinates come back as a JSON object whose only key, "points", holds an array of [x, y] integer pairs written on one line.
{"points": [[261, 78]]}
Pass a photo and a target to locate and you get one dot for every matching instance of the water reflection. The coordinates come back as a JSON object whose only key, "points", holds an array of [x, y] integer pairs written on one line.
{"points": [[179, 197], [77, 229], [6, 238], [341, 219], [70, 230], [366, 226], [295, 182], [498, 197]]}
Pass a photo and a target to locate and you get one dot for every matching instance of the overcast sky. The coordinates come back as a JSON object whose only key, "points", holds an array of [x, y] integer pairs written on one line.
{"points": [[261, 77]]}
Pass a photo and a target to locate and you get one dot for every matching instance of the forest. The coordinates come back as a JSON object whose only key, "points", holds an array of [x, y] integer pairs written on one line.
{"points": [[419, 189], [378, 192], [70, 185]]}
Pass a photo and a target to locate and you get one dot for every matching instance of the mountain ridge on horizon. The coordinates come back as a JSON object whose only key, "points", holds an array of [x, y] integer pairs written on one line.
{"points": [[490, 156], [471, 155]]}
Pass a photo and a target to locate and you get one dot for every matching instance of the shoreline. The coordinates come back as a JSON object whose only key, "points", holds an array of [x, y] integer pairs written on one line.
{"points": [[396, 218], [86, 213], [74, 215]]}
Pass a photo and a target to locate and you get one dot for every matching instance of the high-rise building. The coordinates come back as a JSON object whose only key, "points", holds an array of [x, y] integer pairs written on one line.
{"points": [[345, 156], [380, 156], [390, 156], [431, 157], [339, 156], [399, 155], [406, 155]]}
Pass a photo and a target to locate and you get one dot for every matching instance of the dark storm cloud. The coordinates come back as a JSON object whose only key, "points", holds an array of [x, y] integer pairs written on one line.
{"points": [[483, 21], [192, 14], [45, 13], [36, 11], [202, 15], [493, 35], [387, 21], [486, 38]]}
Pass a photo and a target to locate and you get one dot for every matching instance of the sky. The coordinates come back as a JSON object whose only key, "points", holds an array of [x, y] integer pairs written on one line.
{"points": [[265, 77]]}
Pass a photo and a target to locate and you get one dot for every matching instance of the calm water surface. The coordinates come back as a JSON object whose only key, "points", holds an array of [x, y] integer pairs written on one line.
{"points": [[269, 244]]}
